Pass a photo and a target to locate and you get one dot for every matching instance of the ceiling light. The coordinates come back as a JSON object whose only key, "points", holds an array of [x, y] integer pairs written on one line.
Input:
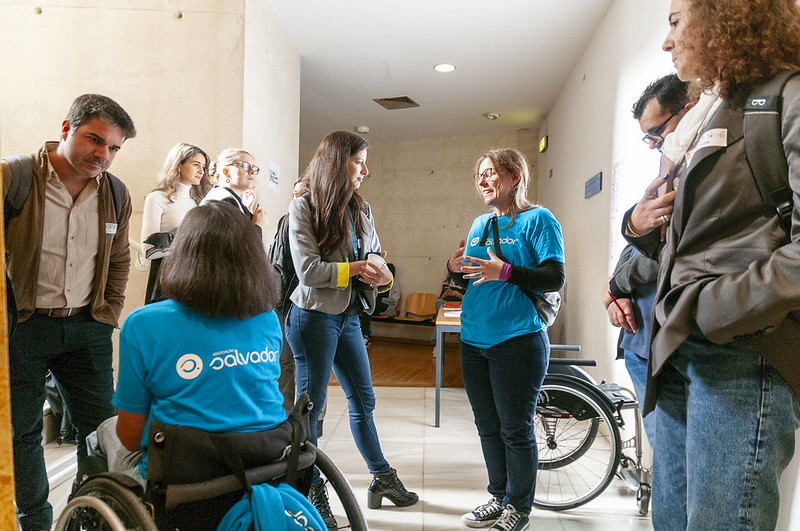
{"points": [[444, 67], [363, 129], [491, 115]]}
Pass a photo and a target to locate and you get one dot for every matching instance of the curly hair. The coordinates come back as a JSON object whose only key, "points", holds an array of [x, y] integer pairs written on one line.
{"points": [[170, 174], [740, 42]]}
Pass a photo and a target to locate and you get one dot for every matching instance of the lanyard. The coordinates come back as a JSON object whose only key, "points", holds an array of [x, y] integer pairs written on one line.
{"points": [[353, 235]]}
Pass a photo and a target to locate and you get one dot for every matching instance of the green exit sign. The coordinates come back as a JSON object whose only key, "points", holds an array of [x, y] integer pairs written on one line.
{"points": [[543, 144]]}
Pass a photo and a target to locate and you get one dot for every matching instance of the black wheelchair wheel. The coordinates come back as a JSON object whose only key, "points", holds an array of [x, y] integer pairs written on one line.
{"points": [[578, 441], [343, 491], [104, 504]]}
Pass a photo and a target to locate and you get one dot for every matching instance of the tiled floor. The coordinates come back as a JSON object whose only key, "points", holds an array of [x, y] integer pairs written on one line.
{"points": [[444, 465]]}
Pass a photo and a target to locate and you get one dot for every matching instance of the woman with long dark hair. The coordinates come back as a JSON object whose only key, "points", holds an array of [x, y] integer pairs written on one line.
{"points": [[331, 233]]}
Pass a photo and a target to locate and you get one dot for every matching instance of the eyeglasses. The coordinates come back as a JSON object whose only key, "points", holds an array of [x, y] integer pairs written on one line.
{"points": [[247, 167], [487, 175], [654, 135]]}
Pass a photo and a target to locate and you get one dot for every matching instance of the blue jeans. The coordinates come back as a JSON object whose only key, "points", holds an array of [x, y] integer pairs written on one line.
{"points": [[322, 342], [637, 369], [502, 384], [78, 351], [725, 423]]}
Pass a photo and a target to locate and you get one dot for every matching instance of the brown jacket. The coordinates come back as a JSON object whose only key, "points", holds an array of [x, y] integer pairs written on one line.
{"points": [[727, 265], [24, 245]]}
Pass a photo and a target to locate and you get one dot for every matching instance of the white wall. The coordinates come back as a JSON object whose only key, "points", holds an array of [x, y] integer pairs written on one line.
{"points": [[591, 129], [271, 117]]}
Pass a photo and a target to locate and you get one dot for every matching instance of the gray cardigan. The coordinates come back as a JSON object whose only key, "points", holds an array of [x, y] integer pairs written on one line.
{"points": [[324, 280]]}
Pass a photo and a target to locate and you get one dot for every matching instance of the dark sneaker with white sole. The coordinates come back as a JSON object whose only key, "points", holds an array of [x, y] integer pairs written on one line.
{"points": [[511, 520], [483, 515]]}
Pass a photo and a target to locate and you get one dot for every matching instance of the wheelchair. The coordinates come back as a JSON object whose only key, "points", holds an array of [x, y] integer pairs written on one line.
{"points": [[194, 477], [577, 426]]}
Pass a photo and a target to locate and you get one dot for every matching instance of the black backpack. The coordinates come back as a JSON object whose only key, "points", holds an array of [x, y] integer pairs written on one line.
{"points": [[280, 256], [763, 146]]}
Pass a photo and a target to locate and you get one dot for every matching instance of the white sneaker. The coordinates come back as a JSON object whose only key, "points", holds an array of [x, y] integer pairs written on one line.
{"points": [[511, 520], [483, 515]]}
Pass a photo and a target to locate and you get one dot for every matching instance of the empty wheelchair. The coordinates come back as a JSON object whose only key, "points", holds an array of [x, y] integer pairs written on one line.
{"points": [[194, 477], [577, 426]]}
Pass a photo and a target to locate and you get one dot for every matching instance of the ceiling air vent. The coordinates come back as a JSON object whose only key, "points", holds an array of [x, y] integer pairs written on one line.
{"points": [[400, 102]]}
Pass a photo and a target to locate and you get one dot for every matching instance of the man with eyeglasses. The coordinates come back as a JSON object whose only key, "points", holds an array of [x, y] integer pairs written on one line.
{"points": [[629, 294]]}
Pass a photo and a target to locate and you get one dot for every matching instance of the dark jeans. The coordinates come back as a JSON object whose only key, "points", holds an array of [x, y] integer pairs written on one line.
{"points": [[78, 351], [502, 384], [321, 341]]}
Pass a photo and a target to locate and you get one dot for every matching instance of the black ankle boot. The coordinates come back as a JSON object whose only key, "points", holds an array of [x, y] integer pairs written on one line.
{"points": [[388, 485], [318, 496]]}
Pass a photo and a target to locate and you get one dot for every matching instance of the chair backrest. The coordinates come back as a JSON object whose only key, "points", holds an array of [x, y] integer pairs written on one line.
{"points": [[421, 305]]}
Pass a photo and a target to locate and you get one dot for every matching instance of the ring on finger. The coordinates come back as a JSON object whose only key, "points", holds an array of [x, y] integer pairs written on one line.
{"points": [[664, 218], [649, 196]]}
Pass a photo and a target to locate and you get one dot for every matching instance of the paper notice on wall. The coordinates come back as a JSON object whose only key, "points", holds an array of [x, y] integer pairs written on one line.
{"points": [[274, 177]]}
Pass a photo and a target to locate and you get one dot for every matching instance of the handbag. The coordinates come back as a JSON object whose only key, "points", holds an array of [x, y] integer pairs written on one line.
{"points": [[548, 302], [547, 306]]}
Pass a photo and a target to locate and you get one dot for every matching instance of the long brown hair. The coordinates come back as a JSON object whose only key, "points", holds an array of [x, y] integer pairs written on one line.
{"points": [[218, 266], [739, 42], [332, 193]]}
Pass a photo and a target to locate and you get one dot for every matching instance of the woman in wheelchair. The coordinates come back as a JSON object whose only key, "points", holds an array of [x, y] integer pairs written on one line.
{"points": [[207, 358]]}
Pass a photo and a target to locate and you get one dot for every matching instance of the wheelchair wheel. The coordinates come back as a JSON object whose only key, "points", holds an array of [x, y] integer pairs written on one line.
{"points": [[343, 491], [103, 504], [578, 441]]}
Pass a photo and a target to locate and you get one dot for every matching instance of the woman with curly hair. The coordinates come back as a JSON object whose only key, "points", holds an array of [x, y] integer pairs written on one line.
{"points": [[183, 181], [724, 378]]}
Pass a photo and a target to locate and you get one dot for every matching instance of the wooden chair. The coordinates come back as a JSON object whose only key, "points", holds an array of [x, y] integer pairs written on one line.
{"points": [[419, 307]]}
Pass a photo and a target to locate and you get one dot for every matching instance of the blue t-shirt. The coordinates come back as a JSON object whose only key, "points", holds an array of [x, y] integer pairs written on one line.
{"points": [[494, 311], [185, 368]]}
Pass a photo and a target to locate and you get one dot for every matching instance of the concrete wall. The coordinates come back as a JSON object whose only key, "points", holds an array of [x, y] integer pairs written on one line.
{"points": [[185, 71]]}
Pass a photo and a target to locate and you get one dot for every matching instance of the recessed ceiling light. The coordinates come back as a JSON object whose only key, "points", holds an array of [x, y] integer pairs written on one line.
{"points": [[491, 115], [444, 67]]}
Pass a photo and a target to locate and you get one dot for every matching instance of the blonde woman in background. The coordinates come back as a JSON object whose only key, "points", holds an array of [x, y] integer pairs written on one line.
{"points": [[183, 181], [235, 175]]}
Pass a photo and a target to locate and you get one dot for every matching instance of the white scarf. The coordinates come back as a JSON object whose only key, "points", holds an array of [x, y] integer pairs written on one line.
{"points": [[677, 143]]}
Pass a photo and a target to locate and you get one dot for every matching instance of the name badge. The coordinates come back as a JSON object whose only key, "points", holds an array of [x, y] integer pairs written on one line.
{"points": [[712, 137], [111, 228]]}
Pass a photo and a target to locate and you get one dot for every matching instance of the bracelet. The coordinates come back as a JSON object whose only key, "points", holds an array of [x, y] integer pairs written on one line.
{"points": [[505, 273], [629, 230]]}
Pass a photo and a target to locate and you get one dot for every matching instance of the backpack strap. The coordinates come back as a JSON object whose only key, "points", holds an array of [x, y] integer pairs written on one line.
{"points": [[20, 187], [117, 194], [763, 146], [22, 179]]}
